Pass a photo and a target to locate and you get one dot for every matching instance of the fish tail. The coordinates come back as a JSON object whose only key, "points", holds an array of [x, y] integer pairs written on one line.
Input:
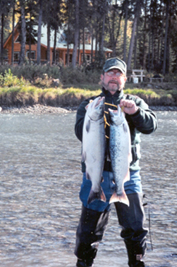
{"points": [[119, 198], [96, 195]]}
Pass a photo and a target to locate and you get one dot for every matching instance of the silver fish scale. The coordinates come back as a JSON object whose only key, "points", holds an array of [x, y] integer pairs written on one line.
{"points": [[119, 150], [94, 146]]}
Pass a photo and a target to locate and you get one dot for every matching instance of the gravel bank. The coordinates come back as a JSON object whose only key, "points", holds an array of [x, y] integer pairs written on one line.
{"points": [[35, 109], [41, 109]]}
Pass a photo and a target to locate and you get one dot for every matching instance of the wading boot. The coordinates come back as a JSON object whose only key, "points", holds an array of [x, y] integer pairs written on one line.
{"points": [[138, 264], [84, 263], [88, 257], [135, 251]]}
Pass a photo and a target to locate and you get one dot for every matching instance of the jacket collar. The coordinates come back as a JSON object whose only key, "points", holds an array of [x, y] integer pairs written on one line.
{"points": [[118, 94]]}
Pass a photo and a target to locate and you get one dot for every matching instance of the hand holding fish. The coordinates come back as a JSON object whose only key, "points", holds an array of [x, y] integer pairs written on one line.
{"points": [[128, 106]]}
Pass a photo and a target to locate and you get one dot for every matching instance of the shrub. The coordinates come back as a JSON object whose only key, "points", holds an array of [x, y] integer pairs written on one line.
{"points": [[8, 79], [32, 72], [78, 75]]}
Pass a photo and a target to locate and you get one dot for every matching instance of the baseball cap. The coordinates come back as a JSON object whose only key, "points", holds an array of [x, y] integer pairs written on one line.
{"points": [[115, 63]]}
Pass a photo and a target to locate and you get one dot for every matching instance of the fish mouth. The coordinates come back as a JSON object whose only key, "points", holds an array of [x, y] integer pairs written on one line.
{"points": [[100, 101], [98, 106]]}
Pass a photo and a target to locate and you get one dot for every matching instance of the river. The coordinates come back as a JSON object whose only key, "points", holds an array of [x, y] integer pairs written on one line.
{"points": [[39, 185]]}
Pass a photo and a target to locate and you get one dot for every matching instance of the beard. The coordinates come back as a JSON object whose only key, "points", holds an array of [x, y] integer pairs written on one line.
{"points": [[113, 86]]}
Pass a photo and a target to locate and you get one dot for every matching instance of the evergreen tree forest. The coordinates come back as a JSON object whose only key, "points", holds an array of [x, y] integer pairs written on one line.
{"points": [[142, 32]]}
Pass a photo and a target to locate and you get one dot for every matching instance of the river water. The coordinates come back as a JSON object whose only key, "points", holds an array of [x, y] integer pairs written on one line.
{"points": [[39, 185]]}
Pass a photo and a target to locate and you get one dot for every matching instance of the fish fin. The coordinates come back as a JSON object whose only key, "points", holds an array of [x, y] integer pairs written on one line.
{"points": [[88, 126], [88, 176], [83, 156], [130, 157], [122, 198], [96, 195], [103, 197]]}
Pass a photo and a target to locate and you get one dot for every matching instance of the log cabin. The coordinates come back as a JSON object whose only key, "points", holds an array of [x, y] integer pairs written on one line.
{"points": [[61, 48]]}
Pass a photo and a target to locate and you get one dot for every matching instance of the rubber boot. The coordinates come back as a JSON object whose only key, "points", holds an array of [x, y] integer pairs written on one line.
{"points": [[89, 233], [135, 251]]}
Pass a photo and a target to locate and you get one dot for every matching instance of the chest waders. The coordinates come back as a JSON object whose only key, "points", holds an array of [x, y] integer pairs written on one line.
{"points": [[93, 224]]}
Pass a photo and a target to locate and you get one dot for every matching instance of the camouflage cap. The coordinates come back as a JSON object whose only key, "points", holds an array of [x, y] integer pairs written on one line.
{"points": [[115, 63]]}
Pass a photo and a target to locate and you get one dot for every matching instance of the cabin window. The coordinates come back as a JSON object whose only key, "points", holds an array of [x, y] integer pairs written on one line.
{"points": [[88, 57], [32, 54], [16, 57], [70, 58]]}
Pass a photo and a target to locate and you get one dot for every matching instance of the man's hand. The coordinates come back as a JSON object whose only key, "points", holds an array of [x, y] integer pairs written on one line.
{"points": [[128, 106]]}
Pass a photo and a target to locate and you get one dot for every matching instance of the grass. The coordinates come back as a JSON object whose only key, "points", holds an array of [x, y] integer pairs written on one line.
{"points": [[16, 91], [30, 95]]}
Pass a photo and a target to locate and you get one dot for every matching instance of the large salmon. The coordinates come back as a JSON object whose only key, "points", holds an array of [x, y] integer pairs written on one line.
{"points": [[120, 153], [93, 147]]}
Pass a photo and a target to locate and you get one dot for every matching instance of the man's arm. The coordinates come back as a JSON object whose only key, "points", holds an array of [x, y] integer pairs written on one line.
{"points": [[80, 119], [142, 117]]}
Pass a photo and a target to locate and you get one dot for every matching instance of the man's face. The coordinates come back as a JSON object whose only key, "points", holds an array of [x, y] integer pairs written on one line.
{"points": [[113, 80]]}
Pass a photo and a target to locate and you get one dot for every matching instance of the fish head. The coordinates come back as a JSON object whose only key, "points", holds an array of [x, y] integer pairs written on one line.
{"points": [[117, 117], [95, 109]]}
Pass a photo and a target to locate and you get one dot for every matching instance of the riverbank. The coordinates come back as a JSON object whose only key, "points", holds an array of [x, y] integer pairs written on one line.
{"points": [[43, 109], [35, 109]]}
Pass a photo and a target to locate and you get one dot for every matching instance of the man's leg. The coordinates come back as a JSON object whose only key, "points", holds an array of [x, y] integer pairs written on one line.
{"points": [[131, 219], [93, 221], [89, 233]]}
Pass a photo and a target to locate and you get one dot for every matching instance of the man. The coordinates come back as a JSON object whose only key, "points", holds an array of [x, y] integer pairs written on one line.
{"points": [[94, 216]]}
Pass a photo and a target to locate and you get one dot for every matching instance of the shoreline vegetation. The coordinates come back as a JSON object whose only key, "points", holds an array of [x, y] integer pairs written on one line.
{"points": [[47, 94]]}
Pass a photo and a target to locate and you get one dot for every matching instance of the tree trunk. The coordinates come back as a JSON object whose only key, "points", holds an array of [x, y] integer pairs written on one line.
{"points": [[132, 43], [23, 35], [76, 34], [96, 39], [125, 32], [30, 40], [48, 44], [111, 32], [83, 44], [166, 38], [54, 47], [152, 50], [0, 34], [83, 30], [102, 39], [92, 45], [13, 22], [135, 48], [137, 14], [2, 37], [68, 34], [39, 34], [145, 45], [67, 62], [149, 54], [78, 50]]}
